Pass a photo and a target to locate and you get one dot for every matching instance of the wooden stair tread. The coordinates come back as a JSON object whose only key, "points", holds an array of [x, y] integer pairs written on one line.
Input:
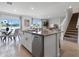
{"points": [[72, 32], [70, 35], [71, 39], [72, 28]]}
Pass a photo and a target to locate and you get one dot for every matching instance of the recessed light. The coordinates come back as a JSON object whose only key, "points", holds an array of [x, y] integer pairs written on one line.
{"points": [[70, 7], [32, 8], [14, 10]]}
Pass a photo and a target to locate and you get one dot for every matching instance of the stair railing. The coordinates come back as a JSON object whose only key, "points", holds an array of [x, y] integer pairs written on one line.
{"points": [[77, 26], [65, 22]]}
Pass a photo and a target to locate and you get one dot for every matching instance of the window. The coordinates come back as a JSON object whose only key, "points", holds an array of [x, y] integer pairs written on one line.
{"points": [[12, 23], [37, 23]]}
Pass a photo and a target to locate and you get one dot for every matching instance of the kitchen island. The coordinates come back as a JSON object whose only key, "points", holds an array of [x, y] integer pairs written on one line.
{"points": [[42, 43]]}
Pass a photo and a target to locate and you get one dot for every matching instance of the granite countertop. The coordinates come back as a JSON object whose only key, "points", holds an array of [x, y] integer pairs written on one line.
{"points": [[44, 33]]}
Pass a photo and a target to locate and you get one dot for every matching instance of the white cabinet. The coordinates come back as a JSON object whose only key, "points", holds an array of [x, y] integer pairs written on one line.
{"points": [[26, 40], [42, 45]]}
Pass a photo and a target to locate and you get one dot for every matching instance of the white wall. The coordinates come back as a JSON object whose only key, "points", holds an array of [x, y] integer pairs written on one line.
{"points": [[8, 15], [62, 21], [57, 20], [66, 21]]}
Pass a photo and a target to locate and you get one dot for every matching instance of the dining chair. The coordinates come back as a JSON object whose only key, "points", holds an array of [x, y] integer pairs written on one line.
{"points": [[15, 34], [2, 36], [7, 35]]}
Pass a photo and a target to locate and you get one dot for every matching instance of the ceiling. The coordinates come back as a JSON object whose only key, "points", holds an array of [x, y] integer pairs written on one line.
{"points": [[39, 9]]}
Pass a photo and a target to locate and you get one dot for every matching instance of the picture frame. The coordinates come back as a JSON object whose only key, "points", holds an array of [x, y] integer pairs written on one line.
{"points": [[25, 23]]}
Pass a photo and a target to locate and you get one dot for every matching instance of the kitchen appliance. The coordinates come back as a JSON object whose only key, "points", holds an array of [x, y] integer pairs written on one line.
{"points": [[38, 46]]}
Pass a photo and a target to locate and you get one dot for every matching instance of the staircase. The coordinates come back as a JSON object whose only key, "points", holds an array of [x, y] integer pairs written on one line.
{"points": [[72, 32]]}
